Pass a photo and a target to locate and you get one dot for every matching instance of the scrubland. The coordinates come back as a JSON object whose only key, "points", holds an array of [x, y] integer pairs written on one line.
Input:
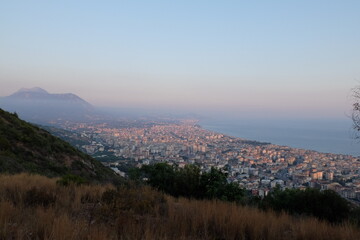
{"points": [[36, 207]]}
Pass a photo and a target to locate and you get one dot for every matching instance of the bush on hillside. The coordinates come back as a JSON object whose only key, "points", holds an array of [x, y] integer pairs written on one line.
{"points": [[69, 179], [325, 205], [190, 182]]}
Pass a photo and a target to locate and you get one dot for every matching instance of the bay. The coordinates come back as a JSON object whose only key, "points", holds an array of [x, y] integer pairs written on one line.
{"points": [[323, 135]]}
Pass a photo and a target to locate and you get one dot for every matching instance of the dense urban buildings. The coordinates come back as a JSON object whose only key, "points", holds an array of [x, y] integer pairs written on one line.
{"points": [[256, 166]]}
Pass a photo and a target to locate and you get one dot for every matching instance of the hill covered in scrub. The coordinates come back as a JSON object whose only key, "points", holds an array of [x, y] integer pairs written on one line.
{"points": [[28, 148], [36, 207]]}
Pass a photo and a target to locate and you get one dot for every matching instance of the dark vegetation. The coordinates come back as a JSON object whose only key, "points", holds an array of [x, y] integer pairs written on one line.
{"points": [[70, 179], [73, 138], [28, 148], [189, 182], [325, 205]]}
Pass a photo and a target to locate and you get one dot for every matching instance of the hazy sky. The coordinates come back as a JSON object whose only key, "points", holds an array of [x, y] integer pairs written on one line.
{"points": [[283, 57]]}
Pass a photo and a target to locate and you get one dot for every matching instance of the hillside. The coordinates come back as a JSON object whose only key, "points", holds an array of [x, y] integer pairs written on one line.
{"points": [[27, 148]]}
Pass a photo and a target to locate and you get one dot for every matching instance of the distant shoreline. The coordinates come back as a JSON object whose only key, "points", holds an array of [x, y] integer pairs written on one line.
{"points": [[308, 142]]}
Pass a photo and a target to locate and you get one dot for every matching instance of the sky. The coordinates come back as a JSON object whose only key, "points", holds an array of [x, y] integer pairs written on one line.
{"points": [[278, 58]]}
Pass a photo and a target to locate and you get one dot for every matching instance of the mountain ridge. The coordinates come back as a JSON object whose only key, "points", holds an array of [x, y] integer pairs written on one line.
{"points": [[39, 106], [34, 89], [38, 93]]}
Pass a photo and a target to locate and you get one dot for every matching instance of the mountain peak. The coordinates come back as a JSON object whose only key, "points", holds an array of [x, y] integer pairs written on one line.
{"points": [[32, 90], [37, 105]]}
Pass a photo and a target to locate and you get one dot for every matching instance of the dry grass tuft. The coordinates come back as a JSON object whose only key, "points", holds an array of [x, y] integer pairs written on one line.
{"points": [[35, 207]]}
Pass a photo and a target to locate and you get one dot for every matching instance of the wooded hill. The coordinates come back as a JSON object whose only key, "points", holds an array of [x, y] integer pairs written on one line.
{"points": [[28, 148]]}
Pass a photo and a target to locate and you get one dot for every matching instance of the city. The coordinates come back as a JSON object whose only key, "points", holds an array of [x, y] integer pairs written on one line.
{"points": [[255, 166]]}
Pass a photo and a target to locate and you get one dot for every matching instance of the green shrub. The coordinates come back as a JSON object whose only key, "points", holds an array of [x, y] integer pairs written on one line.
{"points": [[190, 182], [4, 143], [325, 205], [71, 179]]}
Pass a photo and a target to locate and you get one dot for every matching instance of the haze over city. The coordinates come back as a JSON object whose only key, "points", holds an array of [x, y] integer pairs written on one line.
{"points": [[282, 58]]}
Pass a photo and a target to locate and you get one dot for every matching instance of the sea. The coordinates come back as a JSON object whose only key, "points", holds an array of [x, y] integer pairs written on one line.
{"points": [[322, 135]]}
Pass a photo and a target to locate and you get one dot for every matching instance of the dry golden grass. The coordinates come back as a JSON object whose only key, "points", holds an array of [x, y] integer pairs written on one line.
{"points": [[35, 207]]}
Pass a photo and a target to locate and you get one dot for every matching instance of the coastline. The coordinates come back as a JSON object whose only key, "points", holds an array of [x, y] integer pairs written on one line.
{"points": [[323, 141]]}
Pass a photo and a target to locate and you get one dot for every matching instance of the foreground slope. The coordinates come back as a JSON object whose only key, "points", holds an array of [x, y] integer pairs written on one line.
{"points": [[27, 148], [35, 207]]}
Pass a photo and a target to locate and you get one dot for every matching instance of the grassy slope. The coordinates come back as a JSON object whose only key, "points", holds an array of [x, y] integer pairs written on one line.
{"points": [[35, 207], [27, 148]]}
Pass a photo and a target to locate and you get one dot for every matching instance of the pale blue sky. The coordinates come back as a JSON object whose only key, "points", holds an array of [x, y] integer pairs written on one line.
{"points": [[285, 57]]}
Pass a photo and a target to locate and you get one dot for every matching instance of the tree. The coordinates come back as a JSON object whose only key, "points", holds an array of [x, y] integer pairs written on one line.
{"points": [[190, 182], [161, 176], [325, 205]]}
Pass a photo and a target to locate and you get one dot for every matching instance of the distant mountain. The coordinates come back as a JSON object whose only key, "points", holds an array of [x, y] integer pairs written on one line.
{"points": [[27, 148], [39, 106]]}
